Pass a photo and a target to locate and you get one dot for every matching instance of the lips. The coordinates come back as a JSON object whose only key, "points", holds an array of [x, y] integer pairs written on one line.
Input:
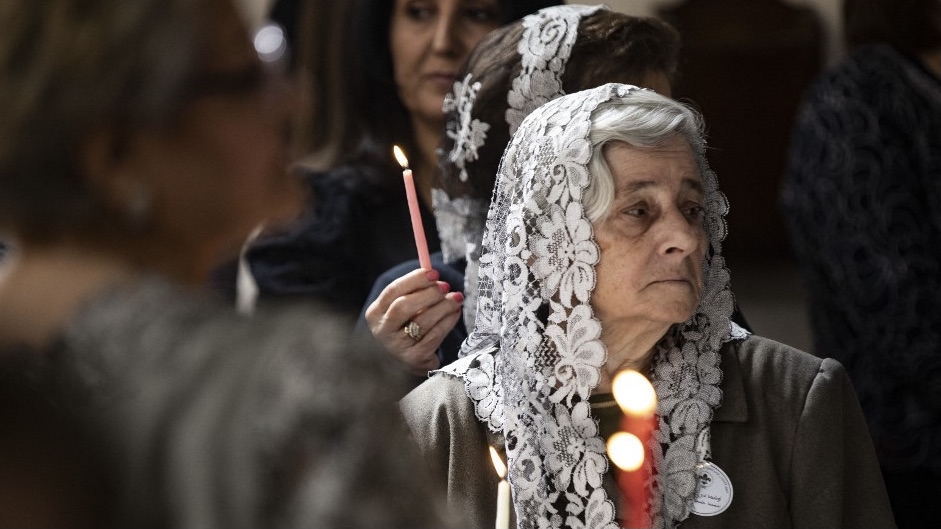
{"points": [[442, 80]]}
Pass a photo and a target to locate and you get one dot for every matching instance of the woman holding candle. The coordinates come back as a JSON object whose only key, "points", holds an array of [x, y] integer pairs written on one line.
{"points": [[138, 139], [585, 46], [395, 62], [602, 252]]}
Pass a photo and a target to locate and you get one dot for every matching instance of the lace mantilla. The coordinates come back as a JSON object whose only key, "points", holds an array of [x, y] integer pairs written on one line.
{"points": [[544, 49], [535, 353], [468, 133]]}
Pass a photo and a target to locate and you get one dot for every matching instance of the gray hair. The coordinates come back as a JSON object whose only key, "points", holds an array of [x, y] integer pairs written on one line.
{"points": [[67, 67], [643, 119]]}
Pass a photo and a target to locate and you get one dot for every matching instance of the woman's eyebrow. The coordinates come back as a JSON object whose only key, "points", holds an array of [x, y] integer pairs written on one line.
{"points": [[693, 183], [637, 185]]}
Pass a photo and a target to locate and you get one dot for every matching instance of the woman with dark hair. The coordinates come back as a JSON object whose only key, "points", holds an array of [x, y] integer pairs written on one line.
{"points": [[558, 50], [862, 201], [397, 61]]}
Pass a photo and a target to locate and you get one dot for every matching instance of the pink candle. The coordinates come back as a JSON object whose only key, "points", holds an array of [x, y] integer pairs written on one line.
{"points": [[417, 228]]}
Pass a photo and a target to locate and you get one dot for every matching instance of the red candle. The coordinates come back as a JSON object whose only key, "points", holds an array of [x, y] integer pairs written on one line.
{"points": [[414, 210], [627, 449]]}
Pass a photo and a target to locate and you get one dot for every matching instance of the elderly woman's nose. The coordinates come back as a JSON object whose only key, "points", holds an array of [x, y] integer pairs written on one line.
{"points": [[677, 234]]}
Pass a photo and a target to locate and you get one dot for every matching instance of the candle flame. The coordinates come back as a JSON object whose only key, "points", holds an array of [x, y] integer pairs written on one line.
{"points": [[634, 394], [626, 451], [498, 463], [400, 156]]}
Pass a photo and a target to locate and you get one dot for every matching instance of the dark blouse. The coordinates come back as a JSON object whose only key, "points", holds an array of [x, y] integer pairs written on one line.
{"points": [[862, 199], [356, 227]]}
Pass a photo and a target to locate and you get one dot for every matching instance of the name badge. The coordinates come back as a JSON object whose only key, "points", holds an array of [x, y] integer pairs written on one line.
{"points": [[713, 490]]}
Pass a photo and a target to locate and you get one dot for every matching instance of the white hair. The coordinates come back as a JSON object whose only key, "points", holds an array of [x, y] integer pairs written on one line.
{"points": [[643, 118]]}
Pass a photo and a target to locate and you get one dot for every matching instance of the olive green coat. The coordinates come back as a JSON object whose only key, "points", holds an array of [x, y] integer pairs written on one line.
{"points": [[789, 433]]}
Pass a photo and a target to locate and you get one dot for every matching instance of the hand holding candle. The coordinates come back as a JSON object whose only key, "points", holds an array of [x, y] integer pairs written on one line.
{"points": [[503, 492], [413, 208], [638, 400]]}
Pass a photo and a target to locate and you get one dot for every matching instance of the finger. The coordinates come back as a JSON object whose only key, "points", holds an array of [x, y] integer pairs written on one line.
{"points": [[411, 282], [420, 356], [438, 320], [404, 285], [409, 306]]}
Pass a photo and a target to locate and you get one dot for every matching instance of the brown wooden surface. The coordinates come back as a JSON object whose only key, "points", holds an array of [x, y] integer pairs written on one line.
{"points": [[745, 65]]}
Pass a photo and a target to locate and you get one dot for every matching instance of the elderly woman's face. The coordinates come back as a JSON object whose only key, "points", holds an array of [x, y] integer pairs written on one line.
{"points": [[652, 240]]}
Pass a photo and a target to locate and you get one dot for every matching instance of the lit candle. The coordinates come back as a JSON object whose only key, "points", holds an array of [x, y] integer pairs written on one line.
{"points": [[417, 229], [503, 492], [638, 400]]}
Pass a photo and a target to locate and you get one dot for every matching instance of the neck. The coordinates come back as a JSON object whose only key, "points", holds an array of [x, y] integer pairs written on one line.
{"points": [[427, 136], [43, 287], [629, 347], [932, 61]]}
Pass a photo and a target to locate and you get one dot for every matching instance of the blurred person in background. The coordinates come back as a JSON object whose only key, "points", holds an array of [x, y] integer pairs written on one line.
{"points": [[138, 140], [381, 82], [862, 201]]}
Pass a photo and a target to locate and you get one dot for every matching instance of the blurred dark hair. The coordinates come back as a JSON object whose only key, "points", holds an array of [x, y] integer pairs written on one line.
{"points": [[357, 108], [911, 26], [55, 465], [610, 47], [66, 67]]}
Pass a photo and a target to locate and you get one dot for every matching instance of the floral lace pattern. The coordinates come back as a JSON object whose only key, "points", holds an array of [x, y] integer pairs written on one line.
{"points": [[545, 48], [469, 134], [536, 328], [551, 33], [456, 221]]}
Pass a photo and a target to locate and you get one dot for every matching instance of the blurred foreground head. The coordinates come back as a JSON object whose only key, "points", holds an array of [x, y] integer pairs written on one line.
{"points": [[138, 128]]}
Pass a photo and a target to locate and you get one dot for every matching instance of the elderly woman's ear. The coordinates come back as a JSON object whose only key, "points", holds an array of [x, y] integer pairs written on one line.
{"points": [[109, 164]]}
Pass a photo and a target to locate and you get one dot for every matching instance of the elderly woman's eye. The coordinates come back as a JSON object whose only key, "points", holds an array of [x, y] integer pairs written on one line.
{"points": [[637, 211], [695, 212]]}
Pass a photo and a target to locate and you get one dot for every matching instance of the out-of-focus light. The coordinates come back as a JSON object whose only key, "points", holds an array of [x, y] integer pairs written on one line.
{"points": [[270, 43], [626, 451], [634, 394]]}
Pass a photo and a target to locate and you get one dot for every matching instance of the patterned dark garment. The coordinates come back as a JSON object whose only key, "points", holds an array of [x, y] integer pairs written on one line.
{"points": [[862, 199], [279, 420]]}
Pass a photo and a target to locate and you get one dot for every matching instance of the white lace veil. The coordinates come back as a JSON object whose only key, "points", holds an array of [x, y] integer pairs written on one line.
{"points": [[535, 354], [544, 49]]}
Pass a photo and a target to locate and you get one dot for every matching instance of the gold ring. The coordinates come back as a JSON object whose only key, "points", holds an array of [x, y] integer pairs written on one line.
{"points": [[412, 330]]}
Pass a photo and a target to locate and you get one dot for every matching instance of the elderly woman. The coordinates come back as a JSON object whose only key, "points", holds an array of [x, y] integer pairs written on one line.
{"points": [[138, 140], [603, 252]]}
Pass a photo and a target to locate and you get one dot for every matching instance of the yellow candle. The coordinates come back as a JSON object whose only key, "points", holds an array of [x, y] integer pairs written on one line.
{"points": [[503, 492], [418, 230]]}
